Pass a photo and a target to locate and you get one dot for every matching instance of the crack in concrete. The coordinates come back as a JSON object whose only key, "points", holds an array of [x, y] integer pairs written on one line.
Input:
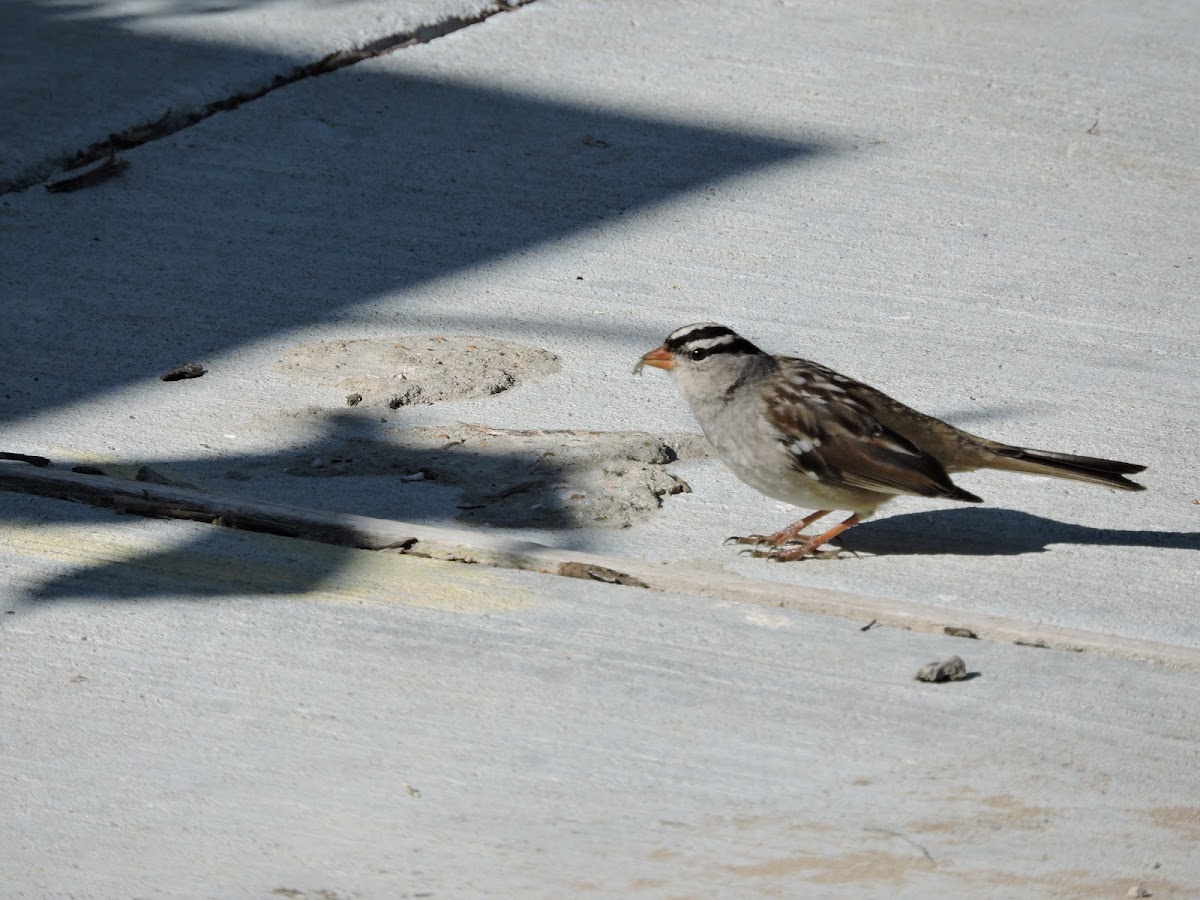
{"points": [[171, 122], [147, 497]]}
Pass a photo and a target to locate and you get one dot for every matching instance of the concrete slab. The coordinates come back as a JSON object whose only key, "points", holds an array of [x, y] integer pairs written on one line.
{"points": [[71, 74], [222, 718], [983, 212], [923, 205]]}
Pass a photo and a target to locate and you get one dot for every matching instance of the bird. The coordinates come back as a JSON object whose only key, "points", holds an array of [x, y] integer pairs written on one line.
{"points": [[802, 433]]}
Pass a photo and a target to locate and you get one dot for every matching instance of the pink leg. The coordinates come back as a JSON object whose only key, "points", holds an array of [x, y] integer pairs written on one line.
{"points": [[809, 547], [780, 537]]}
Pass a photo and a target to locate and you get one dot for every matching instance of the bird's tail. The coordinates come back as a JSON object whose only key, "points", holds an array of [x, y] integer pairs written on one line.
{"points": [[1094, 470]]}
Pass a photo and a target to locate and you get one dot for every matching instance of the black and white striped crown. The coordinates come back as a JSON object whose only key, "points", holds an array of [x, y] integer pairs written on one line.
{"points": [[708, 338]]}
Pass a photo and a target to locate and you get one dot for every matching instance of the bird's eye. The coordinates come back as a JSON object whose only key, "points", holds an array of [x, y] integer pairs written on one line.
{"points": [[699, 353]]}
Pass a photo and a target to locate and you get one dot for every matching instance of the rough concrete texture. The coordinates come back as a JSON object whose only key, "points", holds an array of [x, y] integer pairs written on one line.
{"points": [[939, 215], [559, 479], [74, 75], [408, 370], [986, 212], [221, 718]]}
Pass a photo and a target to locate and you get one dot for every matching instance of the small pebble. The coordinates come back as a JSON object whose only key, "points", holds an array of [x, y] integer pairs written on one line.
{"points": [[415, 476], [187, 370], [953, 669], [1139, 890]]}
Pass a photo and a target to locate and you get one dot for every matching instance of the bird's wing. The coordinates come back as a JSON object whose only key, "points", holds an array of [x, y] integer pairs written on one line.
{"points": [[825, 422]]}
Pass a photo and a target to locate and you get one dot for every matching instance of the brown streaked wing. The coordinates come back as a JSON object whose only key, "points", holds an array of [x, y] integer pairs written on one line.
{"points": [[837, 438]]}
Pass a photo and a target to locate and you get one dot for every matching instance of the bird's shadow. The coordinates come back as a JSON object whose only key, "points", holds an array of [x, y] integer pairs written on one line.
{"points": [[996, 532]]}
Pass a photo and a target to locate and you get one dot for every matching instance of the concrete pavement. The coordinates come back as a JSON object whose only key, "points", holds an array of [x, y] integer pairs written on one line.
{"points": [[223, 719], [986, 213]]}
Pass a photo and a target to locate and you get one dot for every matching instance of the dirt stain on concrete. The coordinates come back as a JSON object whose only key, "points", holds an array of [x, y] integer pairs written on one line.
{"points": [[566, 478], [411, 370]]}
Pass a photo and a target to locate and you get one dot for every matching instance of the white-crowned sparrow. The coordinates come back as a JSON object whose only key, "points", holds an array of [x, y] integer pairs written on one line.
{"points": [[804, 434]]}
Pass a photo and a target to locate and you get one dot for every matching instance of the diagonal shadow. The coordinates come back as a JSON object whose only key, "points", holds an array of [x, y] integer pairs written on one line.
{"points": [[385, 182], [996, 532], [280, 216], [535, 480], [218, 563]]}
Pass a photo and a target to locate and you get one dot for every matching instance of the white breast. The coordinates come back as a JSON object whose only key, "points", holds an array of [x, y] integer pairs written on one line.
{"points": [[748, 443]]}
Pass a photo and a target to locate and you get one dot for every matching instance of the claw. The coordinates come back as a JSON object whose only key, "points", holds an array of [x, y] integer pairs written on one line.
{"points": [[755, 553], [793, 551], [828, 554], [747, 539], [788, 545], [803, 551]]}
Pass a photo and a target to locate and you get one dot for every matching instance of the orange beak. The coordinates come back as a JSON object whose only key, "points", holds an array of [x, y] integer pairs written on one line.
{"points": [[659, 357]]}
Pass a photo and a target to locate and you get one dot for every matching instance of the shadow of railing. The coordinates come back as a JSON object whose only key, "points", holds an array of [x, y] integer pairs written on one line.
{"points": [[283, 215]]}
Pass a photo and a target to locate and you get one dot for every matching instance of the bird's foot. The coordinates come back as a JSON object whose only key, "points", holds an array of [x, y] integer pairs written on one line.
{"points": [[809, 549], [789, 535], [753, 539], [788, 545]]}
